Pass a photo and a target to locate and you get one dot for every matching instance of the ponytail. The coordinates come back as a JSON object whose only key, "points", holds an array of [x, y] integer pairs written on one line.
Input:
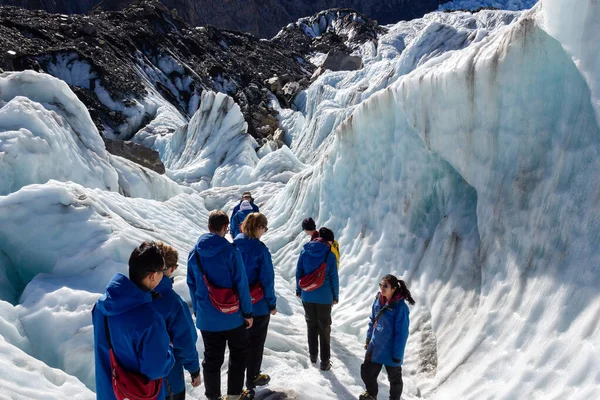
{"points": [[404, 292]]}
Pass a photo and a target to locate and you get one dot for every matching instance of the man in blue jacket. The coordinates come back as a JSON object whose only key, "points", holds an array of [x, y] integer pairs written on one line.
{"points": [[180, 327], [217, 260], [138, 333], [317, 303], [245, 196]]}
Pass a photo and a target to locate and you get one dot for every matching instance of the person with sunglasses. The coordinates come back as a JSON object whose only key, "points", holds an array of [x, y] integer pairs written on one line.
{"points": [[246, 196], [239, 217], [138, 333], [259, 269], [386, 337], [180, 327]]}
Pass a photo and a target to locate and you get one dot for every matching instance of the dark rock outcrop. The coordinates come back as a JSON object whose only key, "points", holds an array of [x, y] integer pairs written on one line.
{"points": [[112, 59], [137, 153], [262, 18]]}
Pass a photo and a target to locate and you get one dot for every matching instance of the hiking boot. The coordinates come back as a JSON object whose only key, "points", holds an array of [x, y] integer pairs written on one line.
{"points": [[261, 380], [243, 395], [366, 396], [325, 365], [314, 359], [250, 395]]}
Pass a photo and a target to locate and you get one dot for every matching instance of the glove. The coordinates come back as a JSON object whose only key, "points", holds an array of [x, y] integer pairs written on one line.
{"points": [[298, 294], [396, 360]]}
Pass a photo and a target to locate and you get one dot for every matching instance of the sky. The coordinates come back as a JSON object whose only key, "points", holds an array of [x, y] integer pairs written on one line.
{"points": [[462, 158]]}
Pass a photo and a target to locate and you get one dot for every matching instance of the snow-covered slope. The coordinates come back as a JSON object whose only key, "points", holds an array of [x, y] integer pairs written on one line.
{"points": [[461, 158]]}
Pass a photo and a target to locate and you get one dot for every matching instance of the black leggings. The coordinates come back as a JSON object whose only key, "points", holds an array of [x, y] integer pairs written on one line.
{"points": [[318, 322]]}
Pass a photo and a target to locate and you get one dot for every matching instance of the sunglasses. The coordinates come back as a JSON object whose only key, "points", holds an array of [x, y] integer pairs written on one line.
{"points": [[266, 229], [384, 286]]}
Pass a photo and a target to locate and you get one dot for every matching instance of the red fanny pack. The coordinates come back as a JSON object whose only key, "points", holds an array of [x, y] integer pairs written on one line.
{"points": [[315, 279], [225, 300], [130, 385], [256, 292]]}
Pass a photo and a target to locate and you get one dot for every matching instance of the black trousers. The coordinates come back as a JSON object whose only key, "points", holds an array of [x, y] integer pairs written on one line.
{"points": [[369, 371], [214, 355], [258, 335], [318, 323]]}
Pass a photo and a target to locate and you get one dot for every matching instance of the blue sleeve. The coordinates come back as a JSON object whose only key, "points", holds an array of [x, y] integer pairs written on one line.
{"points": [[232, 225], [299, 272], [191, 277], [371, 321], [333, 276], [184, 336], [235, 210], [254, 208], [267, 278], [155, 352], [240, 280], [401, 330]]}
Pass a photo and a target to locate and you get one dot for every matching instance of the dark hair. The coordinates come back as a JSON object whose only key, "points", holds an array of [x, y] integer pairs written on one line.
{"points": [[309, 224], [249, 195], [217, 219], [145, 259], [326, 234], [400, 287]]}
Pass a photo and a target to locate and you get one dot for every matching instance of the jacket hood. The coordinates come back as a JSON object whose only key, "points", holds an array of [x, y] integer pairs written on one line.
{"points": [[121, 296], [165, 285], [211, 244], [316, 249]]}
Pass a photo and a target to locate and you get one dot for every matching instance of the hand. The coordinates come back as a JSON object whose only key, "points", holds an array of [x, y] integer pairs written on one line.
{"points": [[299, 295], [249, 322], [196, 381], [335, 302], [366, 346], [273, 311]]}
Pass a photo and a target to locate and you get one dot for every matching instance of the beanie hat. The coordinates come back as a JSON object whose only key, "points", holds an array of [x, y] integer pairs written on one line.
{"points": [[308, 224], [245, 206], [326, 234]]}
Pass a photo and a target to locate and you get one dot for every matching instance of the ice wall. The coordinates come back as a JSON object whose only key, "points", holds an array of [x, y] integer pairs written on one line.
{"points": [[473, 178]]}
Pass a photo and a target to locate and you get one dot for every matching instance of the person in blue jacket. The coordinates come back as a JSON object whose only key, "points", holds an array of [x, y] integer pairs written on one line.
{"points": [[259, 269], [138, 333], [222, 265], [180, 327], [245, 196], [239, 217], [317, 303], [386, 337]]}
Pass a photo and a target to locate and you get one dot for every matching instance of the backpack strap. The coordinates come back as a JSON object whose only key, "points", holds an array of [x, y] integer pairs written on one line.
{"points": [[107, 332], [199, 262]]}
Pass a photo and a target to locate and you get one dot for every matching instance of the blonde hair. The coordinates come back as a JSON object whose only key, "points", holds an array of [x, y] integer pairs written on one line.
{"points": [[253, 223], [170, 254]]}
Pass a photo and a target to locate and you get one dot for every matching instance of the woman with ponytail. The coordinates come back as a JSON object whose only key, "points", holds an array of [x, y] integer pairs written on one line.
{"points": [[386, 337]]}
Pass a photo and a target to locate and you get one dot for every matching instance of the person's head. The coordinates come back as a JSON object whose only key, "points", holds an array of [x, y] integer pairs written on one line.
{"points": [[245, 205], [218, 222], [247, 196], [255, 225], [146, 265], [170, 254], [326, 234], [390, 285], [309, 226]]}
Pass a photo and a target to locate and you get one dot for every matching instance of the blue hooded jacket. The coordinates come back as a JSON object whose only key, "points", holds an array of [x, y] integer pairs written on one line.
{"points": [[222, 263], [311, 257], [182, 332], [387, 338], [236, 222], [237, 208], [259, 268], [138, 335]]}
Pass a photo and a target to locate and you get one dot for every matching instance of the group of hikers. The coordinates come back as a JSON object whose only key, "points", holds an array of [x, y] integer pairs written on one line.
{"points": [[144, 333]]}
